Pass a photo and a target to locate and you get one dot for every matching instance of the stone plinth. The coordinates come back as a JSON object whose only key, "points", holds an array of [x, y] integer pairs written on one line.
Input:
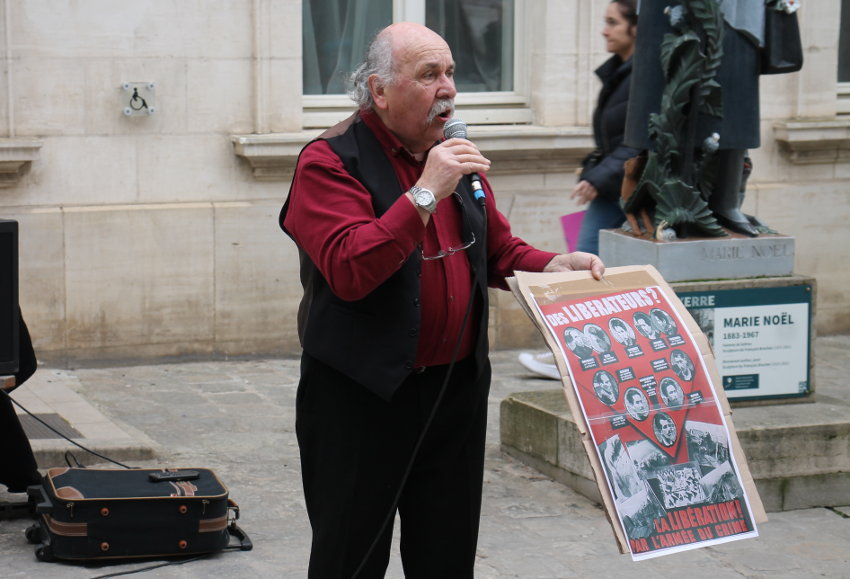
{"points": [[732, 257], [799, 455]]}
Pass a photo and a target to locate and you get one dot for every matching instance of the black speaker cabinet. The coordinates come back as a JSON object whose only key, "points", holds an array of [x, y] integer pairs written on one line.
{"points": [[9, 297]]}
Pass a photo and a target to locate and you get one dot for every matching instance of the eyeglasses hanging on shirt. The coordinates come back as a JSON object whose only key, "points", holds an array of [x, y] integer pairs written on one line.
{"points": [[451, 250]]}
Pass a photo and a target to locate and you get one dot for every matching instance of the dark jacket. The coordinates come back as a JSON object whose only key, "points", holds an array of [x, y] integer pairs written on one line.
{"points": [[373, 340], [604, 167]]}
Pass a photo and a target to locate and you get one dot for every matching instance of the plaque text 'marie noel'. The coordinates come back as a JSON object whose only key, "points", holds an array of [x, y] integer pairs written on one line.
{"points": [[720, 252]]}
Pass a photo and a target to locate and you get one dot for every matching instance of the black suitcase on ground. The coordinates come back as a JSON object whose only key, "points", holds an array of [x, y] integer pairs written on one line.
{"points": [[87, 513]]}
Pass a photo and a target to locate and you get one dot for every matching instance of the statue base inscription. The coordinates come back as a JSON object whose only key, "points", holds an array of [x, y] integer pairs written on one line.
{"points": [[733, 257]]}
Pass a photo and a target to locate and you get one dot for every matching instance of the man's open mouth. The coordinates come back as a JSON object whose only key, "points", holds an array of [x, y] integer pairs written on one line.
{"points": [[441, 110]]}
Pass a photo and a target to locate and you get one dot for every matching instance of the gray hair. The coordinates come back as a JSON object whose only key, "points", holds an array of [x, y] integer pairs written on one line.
{"points": [[379, 61]]}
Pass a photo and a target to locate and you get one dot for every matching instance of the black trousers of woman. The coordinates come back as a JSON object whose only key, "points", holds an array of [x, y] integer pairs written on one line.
{"points": [[354, 450]]}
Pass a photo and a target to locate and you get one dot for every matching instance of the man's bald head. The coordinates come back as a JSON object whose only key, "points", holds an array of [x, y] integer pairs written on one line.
{"points": [[390, 48]]}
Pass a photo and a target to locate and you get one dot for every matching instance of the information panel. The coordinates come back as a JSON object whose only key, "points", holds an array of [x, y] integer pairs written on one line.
{"points": [[760, 336]]}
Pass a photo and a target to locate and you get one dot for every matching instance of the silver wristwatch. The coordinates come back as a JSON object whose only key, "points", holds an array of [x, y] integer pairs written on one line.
{"points": [[424, 198]]}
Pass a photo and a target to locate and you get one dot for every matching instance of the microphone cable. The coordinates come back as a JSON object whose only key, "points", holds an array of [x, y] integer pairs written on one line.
{"points": [[409, 468], [62, 435]]}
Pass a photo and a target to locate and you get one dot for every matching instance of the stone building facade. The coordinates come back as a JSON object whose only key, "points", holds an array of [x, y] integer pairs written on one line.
{"points": [[150, 229]]}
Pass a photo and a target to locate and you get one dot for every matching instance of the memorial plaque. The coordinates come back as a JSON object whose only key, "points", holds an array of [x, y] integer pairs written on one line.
{"points": [[761, 338]]}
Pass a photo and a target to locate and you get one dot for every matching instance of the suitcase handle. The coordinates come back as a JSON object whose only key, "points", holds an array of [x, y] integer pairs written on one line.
{"points": [[232, 506], [36, 493], [173, 476], [235, 530]]}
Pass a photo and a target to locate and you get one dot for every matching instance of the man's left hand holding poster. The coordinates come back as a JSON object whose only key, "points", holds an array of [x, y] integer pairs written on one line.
{"points": [[642, 390]]}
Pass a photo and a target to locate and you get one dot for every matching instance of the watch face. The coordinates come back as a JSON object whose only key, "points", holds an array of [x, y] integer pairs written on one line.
{"points": [[425, 199]]}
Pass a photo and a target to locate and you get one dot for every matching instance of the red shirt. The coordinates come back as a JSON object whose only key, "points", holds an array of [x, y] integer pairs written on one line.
{"points": [[331, 218]]}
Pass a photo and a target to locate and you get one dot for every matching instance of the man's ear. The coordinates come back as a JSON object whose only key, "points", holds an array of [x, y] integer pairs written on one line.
{"points": [[376, 87]]}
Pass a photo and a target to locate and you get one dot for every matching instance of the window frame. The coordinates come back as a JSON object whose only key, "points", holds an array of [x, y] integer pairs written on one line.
{"points": [[843, 107], [843, 92], [501, 107]]}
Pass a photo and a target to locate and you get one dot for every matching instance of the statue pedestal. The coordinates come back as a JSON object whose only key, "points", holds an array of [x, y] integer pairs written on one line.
{"points": [[733, 257], [757, 315]]}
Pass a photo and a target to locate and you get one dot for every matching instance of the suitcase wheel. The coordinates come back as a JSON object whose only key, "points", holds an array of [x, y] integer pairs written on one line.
{"points": [[44, 554], [33, 533]]}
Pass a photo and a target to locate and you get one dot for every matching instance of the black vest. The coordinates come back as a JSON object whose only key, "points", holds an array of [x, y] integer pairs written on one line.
{"points": [[373, 340]]}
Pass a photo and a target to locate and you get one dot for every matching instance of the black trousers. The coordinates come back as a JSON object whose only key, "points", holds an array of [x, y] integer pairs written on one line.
{"points": [[355, 448]]}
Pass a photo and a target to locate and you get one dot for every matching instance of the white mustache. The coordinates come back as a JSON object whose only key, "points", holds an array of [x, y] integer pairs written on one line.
{"points": [[440, 107]]}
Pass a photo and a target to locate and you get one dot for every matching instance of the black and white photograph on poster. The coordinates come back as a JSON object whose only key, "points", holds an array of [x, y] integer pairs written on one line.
{"points": [[678, 485], [639, 514], [721, 484], [663, 322], [671, 393], [643, 323], [598, 339], [578, 343], [708, 444], [605, 386], [682, 365], [664, 429], [622, 332], [647, 457], [637, 406], [708, 447], [621, 470]]}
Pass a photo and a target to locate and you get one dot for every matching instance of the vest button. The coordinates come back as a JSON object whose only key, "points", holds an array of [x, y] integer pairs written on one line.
{"points": [[412, 332], [408, 365], [416, 302]]}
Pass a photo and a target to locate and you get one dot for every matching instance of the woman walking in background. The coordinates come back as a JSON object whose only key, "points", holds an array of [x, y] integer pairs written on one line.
{"points": [[602, 170]]}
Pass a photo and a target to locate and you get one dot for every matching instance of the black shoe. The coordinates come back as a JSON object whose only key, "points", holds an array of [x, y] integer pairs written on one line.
{"points": [[19, 485], [742, 227]]}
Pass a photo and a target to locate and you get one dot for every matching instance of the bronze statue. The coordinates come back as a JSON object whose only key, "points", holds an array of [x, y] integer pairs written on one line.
{"points": [[694, 110]]}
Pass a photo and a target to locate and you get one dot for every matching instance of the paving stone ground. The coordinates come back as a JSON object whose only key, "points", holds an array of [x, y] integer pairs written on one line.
{"points": [[237, 417]]}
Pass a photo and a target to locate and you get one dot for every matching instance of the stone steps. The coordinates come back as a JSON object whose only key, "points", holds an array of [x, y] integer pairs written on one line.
{"points": [[798, 454]]}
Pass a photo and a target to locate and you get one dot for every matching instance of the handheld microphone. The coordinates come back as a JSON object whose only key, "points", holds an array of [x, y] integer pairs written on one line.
{"points": [[456, 128]]}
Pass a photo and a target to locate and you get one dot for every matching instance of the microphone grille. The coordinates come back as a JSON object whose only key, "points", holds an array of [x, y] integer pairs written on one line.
{"points": [[455, 128]]}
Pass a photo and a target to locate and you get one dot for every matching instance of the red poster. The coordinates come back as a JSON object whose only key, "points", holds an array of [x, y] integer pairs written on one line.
{"points": [[655, 421]]}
